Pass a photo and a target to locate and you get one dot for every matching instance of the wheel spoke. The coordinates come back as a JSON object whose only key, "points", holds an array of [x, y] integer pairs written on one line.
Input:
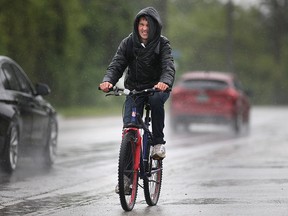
{"points": [[152, 184]]}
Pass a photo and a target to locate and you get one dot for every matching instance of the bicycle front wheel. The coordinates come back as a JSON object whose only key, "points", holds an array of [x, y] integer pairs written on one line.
{"points": [[127, 176], [152, 184]]}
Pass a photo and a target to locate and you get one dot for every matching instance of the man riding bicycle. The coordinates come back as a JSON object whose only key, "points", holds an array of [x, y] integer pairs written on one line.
{"points": [[147, 54]]}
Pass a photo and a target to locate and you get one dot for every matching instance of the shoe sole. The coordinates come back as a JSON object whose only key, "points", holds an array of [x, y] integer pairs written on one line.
{"points": [[157, 157]]}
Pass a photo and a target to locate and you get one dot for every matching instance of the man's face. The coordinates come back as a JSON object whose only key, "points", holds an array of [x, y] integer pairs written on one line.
{"points": [[143, 29]]}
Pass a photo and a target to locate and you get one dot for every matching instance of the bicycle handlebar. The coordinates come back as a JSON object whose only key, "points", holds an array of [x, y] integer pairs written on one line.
{"points": [[120, 91]]}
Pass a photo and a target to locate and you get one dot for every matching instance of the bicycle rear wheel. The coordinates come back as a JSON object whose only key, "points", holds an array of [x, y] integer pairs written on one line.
{"points": [[152, 184], [127, 176]]}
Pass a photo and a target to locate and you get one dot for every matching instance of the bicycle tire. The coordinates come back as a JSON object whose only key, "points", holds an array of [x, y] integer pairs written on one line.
{"points": [[126, 169], [152, 184]]}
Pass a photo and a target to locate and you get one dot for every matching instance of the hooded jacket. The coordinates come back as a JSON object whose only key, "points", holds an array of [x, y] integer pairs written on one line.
{"points": [[146, 65]]}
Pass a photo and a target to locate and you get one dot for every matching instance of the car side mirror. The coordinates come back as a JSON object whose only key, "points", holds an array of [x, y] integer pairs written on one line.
{"points": [[42, 89]]}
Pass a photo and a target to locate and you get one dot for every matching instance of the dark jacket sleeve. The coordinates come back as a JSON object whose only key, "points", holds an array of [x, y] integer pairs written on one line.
{"points": [[167, 63], [118, 64]]}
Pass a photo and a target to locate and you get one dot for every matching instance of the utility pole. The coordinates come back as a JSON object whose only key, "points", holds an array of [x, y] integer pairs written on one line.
{"points": [[229, 37], [161, 6]]}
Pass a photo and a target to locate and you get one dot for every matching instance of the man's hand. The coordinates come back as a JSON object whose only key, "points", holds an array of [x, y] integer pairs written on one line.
{"points": [[105, 86], [161, 86]]}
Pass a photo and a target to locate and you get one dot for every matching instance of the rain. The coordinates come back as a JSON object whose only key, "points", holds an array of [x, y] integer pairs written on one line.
{"points": [[209, 169]]}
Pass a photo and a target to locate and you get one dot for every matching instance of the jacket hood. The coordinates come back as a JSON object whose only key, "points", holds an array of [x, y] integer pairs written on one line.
{"points": [[155, 24]]}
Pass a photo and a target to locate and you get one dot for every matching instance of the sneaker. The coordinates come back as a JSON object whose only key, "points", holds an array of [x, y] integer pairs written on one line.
{"points": [[127, 186], [158, 152]]}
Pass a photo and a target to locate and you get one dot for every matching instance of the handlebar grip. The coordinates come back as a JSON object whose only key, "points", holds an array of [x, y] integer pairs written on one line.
{"points": [[169, 89], [110, 89]]}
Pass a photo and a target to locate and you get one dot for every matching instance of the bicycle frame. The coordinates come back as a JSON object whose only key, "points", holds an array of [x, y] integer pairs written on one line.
{"points": [[142, 141]]}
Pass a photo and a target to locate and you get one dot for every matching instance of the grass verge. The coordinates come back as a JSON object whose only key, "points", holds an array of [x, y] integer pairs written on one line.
{"points": [[68, 112]]}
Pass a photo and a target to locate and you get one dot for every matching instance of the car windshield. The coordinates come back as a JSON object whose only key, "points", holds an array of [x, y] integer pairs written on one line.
{"points": [[204, 84]]}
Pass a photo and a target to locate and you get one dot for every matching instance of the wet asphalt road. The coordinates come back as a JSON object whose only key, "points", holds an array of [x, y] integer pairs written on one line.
{"points": [[209, 171]]}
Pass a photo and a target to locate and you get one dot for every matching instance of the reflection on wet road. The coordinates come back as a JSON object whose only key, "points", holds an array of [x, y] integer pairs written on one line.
{"points": [[209, 171]]}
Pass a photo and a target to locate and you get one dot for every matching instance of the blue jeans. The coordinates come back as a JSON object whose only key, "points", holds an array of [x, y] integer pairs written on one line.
{"points": [[156, 102]]}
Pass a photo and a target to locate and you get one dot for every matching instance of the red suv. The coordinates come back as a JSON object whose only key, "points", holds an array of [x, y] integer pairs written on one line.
{"points": [[209, 97]]}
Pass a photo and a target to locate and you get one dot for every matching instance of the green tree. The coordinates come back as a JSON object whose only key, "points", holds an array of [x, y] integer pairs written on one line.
{"points": [[201, 37], [197, 31], [69, 44]]}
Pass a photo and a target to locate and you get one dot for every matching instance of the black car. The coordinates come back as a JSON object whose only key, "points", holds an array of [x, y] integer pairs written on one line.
{"points": [[28, 123]]}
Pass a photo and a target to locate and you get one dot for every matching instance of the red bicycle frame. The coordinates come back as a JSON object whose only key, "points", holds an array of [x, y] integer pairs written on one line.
{"points": [[138, 145]]}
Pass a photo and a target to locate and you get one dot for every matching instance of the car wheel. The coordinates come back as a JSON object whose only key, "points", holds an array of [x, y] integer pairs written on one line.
{"points": [[246, 125], [10, 158], [174, 125], [237, 123], [50, 151], [178, 126]]}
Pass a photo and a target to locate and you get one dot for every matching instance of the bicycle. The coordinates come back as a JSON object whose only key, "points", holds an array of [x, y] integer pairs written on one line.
{"points": [[135, 160]]}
